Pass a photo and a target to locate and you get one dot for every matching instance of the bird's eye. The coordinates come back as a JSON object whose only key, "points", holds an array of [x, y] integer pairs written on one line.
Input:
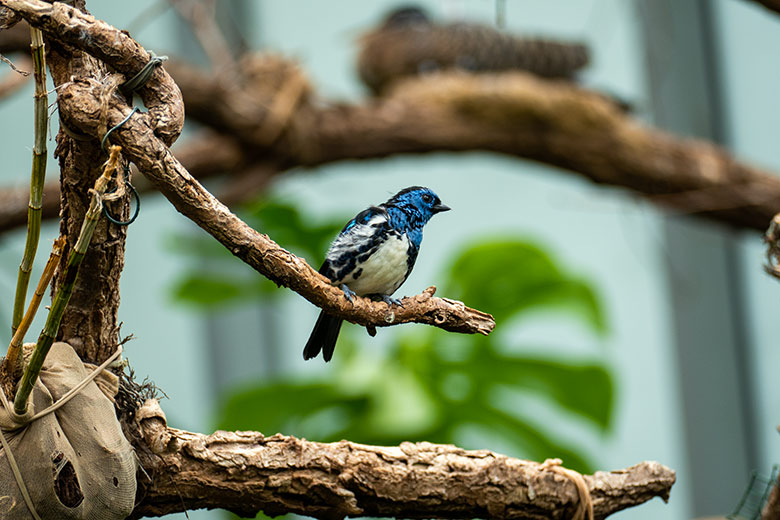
{"points": [[427, 198]]}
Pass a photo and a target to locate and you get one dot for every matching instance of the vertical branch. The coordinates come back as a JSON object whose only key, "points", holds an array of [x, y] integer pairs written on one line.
{"points": [[64, 291], [37, 177], [90, 323]]}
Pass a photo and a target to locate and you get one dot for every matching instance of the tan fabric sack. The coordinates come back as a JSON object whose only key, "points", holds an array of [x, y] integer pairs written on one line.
{"points": [[75, 461]]}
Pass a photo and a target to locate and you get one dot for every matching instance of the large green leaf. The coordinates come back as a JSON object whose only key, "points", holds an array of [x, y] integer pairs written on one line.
{"points": [[585, 389], [506, 278]]}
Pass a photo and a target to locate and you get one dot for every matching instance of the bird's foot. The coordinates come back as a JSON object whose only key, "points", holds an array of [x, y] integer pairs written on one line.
{"points": [[391, 301], [348, 293]]}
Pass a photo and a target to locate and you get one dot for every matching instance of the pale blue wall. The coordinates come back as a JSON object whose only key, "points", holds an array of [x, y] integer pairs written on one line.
{"points": [[606, 235], [751, 35]]}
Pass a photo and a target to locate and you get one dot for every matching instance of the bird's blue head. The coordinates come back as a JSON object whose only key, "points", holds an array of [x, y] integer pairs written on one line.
{"points": [[413, 207]]}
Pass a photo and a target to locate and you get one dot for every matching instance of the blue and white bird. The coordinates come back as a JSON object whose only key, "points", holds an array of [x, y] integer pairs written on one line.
{"points": [[373, 255]]}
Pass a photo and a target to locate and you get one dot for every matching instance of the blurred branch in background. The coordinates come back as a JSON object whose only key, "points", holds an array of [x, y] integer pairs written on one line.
{"points": [[517, 114], [512, 113], [772, 5]]}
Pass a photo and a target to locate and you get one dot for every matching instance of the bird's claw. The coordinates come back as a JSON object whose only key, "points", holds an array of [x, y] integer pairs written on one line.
{"points": [[391, 301], [348, 293]]}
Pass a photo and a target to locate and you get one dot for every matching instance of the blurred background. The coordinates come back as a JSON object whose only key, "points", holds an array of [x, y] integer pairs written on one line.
{"points": [[624, 333]]}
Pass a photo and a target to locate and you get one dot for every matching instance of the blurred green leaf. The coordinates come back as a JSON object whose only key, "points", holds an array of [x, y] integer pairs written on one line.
{"points": [[583, 389], [205, 289], [290, 407], [292, 230], [506, 278]]}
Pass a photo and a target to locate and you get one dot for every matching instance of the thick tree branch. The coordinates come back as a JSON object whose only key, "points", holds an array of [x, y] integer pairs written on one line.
{"points": [[80, 105], [556, 123], [247, 472]]}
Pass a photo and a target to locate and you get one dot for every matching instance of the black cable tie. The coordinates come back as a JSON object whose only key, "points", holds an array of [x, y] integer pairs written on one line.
{"points": [[123, 121], [140, 79]]}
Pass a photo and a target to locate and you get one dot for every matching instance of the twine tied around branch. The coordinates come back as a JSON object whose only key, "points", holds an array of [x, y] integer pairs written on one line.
{"points": [[585, 506]]}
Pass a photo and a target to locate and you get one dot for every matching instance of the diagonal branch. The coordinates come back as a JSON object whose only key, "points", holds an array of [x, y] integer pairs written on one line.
{"points": [[247, 472], [80, 105]]}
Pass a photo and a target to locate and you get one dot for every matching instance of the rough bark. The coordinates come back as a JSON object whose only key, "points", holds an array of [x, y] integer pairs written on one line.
{"points": [[247, 472], [90, 322], [114, 48]]}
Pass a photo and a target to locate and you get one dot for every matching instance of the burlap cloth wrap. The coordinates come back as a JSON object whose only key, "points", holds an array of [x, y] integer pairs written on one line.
{"points": [[75, 462]]}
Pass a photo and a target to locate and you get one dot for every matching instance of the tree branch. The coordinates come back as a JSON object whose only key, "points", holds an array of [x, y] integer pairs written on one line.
{"points": [[247, 472]]}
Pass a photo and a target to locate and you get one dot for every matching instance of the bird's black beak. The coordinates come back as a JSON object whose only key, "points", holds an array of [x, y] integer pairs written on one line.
{"points": [[438, 208]]}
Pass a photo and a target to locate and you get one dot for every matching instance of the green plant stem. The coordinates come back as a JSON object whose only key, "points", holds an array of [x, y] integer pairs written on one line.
{"points": [[12, 358], [61, 298], [37, 177]]}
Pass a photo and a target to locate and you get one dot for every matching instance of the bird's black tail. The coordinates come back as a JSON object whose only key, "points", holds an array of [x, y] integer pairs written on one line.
{"points": [[323, 337]]}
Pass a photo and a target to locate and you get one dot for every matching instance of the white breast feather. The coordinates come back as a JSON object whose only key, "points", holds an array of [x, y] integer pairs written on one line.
{"points": [[385, 270]]}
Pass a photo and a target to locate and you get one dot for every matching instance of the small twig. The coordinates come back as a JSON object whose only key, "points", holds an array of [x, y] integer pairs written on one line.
{"points": [[12, 81], [11, 363], [13, 67], [62, 297], [38, 177]]}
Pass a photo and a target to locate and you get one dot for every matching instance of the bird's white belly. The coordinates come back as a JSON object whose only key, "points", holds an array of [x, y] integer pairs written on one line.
{"points": [[384, 271]]}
